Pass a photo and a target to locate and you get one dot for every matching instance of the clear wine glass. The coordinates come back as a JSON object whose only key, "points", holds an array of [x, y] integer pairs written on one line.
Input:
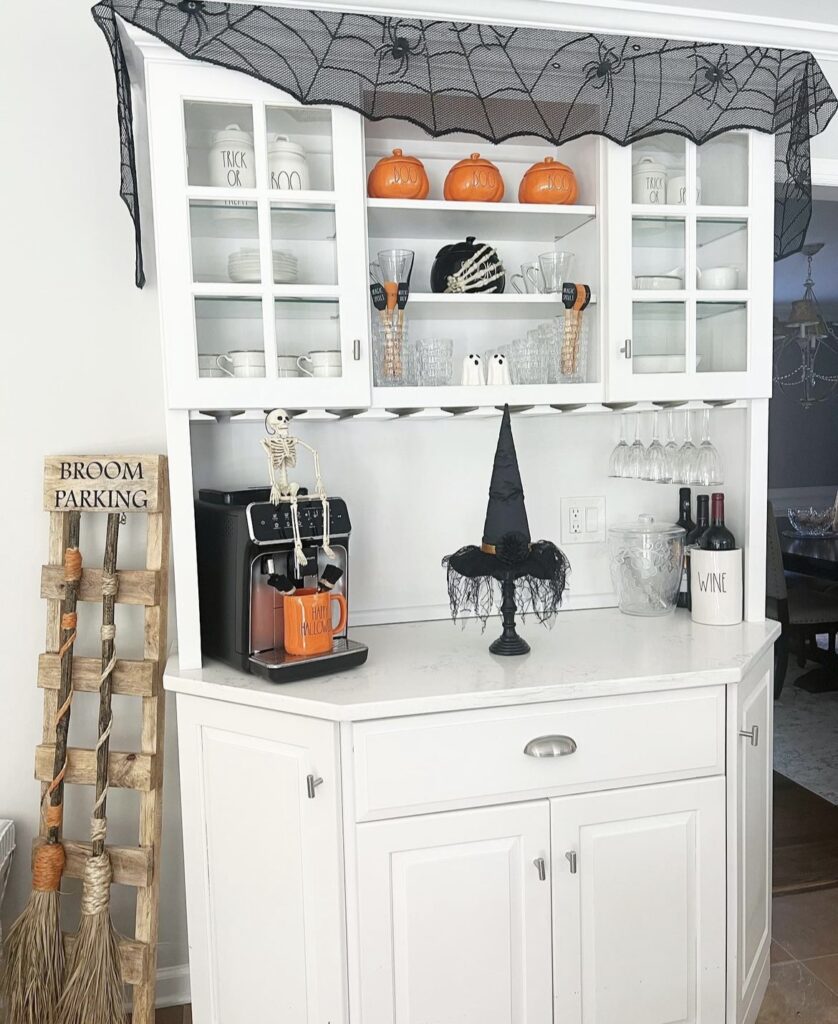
{"points": [[637, 454], [618, 462], [685, 466], [656, 463], [670, 449], [708, 470]]}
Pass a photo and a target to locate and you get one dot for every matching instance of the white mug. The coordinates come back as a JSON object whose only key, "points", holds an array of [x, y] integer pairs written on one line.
{"points": [[286, 366], [716, 587], [208, 366], [324, 363], [245, 363]]}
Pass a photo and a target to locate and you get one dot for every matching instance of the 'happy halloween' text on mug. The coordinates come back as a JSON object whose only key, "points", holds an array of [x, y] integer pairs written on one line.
{"points": [[308, 621]]}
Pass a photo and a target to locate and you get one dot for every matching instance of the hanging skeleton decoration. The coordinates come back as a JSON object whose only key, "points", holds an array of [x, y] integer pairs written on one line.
{"points": [[281, 447]]}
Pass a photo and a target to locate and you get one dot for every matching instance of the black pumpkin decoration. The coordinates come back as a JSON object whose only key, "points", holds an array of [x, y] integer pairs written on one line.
{"points": [[450, 259]]}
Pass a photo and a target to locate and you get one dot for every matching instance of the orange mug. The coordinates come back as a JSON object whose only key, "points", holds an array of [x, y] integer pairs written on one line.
{"points": [[308, 621]]}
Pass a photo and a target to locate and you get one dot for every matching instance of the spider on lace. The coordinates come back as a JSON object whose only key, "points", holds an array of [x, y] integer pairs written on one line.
{"points": [[601, 72], [196, 12], [402, 40], [716, 76]]}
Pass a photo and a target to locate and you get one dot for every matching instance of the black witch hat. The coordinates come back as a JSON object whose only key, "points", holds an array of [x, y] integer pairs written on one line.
{"points": [[529, 576]]}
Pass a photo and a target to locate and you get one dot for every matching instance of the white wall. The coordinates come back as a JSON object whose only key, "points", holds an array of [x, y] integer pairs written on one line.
{"points": [[81, 362], [81, 373]]}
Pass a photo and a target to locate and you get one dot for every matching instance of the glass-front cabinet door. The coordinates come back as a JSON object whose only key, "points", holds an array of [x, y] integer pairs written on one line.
{"points": [[261, 244], [690, 268]]}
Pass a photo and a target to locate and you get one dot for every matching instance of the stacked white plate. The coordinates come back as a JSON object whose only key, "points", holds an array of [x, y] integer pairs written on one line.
{"points": [[244, 266]]}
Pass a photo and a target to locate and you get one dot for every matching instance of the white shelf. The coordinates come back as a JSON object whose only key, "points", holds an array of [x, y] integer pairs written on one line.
{"points": [[444, 220], [295, 197], [482, 306], [409, 400], [645, 295], [679, 211]]}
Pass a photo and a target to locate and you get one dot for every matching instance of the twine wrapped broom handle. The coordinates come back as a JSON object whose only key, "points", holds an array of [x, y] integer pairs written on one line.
{"points": [[72, 579], [110, 585]]}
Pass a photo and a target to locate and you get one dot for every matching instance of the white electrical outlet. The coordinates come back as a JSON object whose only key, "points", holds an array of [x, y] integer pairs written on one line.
{"points": [[583, 520]]}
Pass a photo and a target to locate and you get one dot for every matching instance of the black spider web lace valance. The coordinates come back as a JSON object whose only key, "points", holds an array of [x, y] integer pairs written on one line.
{"points": [[498, 81]]}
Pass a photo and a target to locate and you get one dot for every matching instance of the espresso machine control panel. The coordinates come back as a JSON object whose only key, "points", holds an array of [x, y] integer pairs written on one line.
{"points": [[270, 524]]}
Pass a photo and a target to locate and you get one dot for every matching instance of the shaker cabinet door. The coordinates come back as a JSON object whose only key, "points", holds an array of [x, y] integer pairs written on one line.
{"points": [[752, 771], [454, 918], [264, 870], [639, 905]]}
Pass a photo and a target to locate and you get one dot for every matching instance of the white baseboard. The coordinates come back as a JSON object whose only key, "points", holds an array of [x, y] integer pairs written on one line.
{"points": [[173, 986]]}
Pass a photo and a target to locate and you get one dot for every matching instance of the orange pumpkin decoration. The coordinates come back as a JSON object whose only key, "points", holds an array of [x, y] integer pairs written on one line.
{"points": [[398, 177], [548, 182], [474, 180]]}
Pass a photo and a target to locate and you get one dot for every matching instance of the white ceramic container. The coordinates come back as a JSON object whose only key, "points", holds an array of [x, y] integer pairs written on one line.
{"points": [[208, 366], [287, 164], [658, 283], [322, 363], [718, 279], [648, 182], [231, 159], [246, 363], [716, 587], [676, 190]]}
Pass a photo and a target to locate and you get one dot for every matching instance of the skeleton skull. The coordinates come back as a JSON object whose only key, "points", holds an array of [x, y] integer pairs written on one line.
{"points": [[277, 422]]}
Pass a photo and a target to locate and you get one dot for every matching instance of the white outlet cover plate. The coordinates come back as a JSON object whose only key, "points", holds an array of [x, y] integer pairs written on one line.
{"points": [[589, 512]]}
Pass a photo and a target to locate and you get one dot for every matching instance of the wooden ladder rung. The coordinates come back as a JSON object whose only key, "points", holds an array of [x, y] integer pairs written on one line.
{"points": [[130, 678], [133, 957], [125, 770], [136, 586], [132, 865]]}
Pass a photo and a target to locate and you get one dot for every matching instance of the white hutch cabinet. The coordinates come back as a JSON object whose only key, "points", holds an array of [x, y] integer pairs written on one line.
{"points": [[381, 847]]}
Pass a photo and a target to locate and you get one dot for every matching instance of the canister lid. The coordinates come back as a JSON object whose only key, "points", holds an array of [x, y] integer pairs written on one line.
{"points": [[282, 144], [233, 135], [646, 526]]}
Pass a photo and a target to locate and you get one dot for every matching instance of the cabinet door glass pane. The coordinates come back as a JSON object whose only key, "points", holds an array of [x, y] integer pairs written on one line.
{"points": [[722, 254], [657, 253], [219, 144], [658, 171], [230, 336], [721, 338], [299, 147], [225, 241], [659, 339], [304, 244], [723, 171], [308, 338]]}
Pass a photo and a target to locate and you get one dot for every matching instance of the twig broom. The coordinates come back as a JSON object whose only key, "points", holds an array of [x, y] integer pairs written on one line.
{"points": [[33, 969], [93, 990]]}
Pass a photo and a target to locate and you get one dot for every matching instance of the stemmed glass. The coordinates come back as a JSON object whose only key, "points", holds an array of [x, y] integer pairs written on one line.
{"points": [[670, 449], [618, 462], [684, 467], [707, 468], [656, 462], [636, 467]]}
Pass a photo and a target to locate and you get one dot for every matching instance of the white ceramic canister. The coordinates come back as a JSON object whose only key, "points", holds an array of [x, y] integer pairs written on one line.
{"points": [[231, 160], [676, 190], [716, 587], [287, 164], [648, 182]]}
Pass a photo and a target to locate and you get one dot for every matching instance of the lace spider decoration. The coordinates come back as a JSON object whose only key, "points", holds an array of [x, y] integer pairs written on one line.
{"points": [[196, 26], [281, 449], [716, 76], [600, 73], [403, 40]]}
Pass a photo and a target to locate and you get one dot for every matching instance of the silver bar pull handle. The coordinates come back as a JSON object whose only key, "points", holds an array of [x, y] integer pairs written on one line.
{"points": [[550, 746], [626, 349], [541, 868], [571, 859], [312, 782], [356, 349], [752, 735]]}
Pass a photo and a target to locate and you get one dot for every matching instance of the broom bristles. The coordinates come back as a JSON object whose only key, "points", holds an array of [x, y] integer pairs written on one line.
{"points": [[33, 967], [93, 992]]}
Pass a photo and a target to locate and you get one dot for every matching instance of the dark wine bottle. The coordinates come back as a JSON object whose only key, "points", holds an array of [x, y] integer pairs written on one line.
{"points": [[685, 521], [717, 537], [702, 515]]}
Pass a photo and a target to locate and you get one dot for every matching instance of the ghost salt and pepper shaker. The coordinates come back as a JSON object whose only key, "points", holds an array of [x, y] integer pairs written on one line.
{"points": [[499, 370], [473, 370]]}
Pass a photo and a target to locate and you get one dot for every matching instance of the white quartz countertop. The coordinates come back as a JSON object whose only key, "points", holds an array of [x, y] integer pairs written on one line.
{"points": [[421, 667]]}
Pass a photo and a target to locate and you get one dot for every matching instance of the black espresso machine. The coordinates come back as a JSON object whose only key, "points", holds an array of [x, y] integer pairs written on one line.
{"points": [[242, 540]]}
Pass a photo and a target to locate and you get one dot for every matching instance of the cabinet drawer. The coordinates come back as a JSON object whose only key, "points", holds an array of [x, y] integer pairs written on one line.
{"points": [[431, 762]]}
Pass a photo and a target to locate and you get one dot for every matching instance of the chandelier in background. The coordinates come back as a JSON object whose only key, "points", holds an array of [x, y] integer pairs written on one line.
{"points": [[806, 346]]}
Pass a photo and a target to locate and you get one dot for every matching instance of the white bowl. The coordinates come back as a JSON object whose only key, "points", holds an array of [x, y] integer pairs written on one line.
{"points": [[718, 279], [658, 283]]}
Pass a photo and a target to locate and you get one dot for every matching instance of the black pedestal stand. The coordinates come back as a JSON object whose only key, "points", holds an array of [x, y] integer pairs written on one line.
{"points": [[509, 643]]}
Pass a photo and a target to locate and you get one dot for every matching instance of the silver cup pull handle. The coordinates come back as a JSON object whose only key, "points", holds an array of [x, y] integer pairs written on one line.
{"points": [[571, 859], [751, 734], [550, 746], [312, 782], [541, 868]]}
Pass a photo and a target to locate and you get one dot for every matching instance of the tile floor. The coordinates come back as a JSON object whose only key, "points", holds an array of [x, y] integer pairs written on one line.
{"points": [[804, 960]]}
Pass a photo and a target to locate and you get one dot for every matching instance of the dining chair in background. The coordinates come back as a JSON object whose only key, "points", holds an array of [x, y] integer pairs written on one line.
{"points": [[804, 607]]}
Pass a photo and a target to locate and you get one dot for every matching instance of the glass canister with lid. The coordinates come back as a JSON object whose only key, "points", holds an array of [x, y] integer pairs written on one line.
{"points": [[647, 559]]}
